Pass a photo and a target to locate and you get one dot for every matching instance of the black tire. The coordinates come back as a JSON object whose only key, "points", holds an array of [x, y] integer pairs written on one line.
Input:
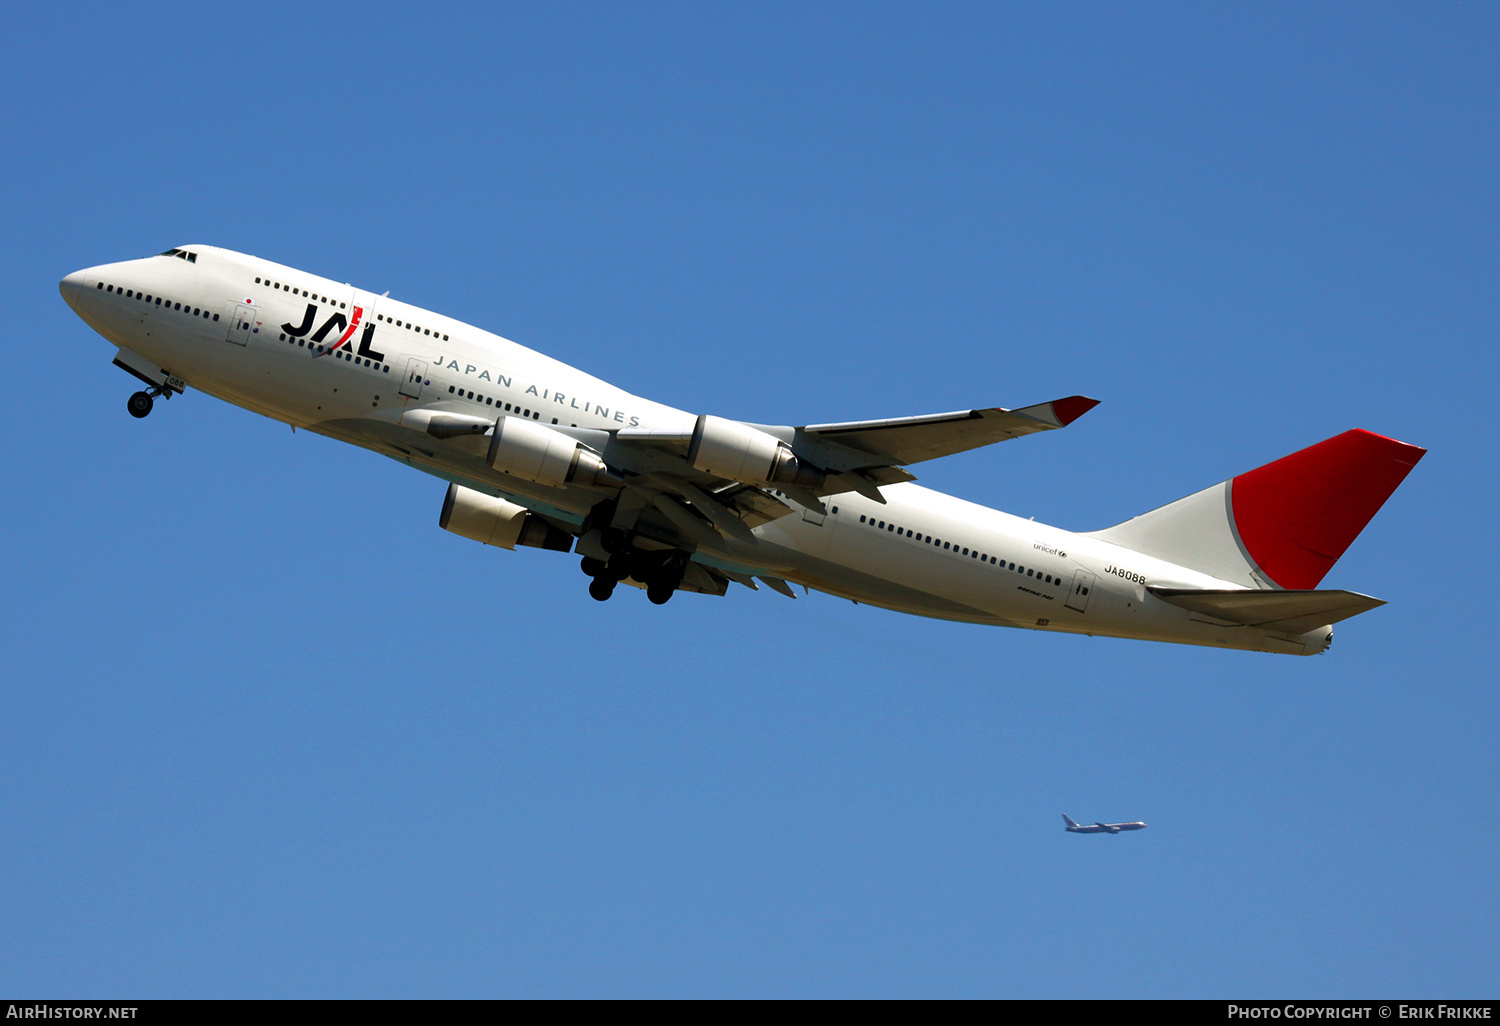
{"points": [[591, 566], [660, 594], [601, 588], [139, 405]]}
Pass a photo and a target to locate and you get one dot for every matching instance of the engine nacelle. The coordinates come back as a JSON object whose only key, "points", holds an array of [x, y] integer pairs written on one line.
{"points": [[727, 448], [534, 452], [490, 520]]}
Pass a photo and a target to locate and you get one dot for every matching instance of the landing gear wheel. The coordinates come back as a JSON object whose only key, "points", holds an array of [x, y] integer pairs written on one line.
{"points": [[622, 565], [591, 566], [139, 404], [660, 593], [601, 588]]}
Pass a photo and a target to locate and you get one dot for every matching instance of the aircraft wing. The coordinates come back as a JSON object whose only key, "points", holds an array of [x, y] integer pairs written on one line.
{"points": [[1294, 611], [857, 456], [905, 440], [726, 508], [706, 511]]}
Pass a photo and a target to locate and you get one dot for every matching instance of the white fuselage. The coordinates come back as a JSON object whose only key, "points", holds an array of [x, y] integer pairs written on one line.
{"points": [[920, 552]]}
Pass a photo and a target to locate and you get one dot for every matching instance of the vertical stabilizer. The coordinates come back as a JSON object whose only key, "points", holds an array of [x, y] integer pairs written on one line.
{"points": [[1282, 525]]}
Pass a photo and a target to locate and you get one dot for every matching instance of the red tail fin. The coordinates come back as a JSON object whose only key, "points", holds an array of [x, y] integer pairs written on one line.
{"points": [[1295, 517]]}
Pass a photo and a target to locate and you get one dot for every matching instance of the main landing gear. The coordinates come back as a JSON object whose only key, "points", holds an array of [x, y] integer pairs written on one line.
{"points": [[661, 576], [660, 571], [603, 584], [140, 403]]}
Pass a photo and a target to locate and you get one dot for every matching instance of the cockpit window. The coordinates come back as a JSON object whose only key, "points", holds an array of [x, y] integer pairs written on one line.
{"points": [[182, 254]]}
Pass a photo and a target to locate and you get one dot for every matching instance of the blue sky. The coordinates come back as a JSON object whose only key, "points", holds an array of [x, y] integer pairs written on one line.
{"points": [[270, 732]]}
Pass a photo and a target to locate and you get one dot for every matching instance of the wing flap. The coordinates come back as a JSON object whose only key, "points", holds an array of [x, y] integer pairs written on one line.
{"points": [[903, 440], [1294, 611]]}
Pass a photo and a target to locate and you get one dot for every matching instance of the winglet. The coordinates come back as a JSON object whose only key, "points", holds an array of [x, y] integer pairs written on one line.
{"points": [[1060, 412], [1074, 406]]}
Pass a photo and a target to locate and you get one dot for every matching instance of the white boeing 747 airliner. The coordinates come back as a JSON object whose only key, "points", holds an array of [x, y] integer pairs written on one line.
{"points": [[538, 453]]}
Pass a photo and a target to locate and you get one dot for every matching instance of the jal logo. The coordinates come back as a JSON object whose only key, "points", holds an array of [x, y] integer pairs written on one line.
{"points": [[336, 323]]}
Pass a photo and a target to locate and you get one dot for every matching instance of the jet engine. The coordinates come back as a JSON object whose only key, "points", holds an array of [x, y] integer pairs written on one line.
{"points": [[727, 448], [534, 452], [490, 520]]}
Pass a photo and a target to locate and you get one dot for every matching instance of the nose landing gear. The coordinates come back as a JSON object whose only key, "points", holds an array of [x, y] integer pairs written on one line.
{"points": [[140, 403]]}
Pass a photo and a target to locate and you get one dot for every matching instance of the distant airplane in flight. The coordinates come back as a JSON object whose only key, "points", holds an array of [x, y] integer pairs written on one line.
{"points": [[1100, 828], [536, 453]]}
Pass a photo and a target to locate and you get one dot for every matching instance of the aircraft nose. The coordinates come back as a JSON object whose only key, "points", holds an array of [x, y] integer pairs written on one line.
{"points": [[73, 287]]}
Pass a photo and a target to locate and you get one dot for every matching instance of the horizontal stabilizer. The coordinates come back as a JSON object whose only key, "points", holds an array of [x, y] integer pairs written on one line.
{"points": [[1295, 611], [904, 440]]}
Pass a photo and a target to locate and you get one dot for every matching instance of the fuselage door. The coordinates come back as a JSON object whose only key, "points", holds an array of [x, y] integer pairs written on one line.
{"points": [[1078, 598], [416, 375], [241, 322]]}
